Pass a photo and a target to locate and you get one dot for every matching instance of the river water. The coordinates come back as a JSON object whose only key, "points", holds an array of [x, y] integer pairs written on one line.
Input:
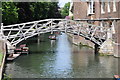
{"points": [[60, 59]]}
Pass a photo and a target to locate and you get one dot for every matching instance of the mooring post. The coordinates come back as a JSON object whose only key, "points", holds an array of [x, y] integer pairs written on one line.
{"points": [[96, 47]]}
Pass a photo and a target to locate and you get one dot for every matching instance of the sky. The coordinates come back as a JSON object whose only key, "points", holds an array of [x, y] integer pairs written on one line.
{"points": [[62, 2]]}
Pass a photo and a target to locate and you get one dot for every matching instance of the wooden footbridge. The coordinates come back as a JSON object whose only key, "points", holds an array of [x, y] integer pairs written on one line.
{"points": [[16, 33]]}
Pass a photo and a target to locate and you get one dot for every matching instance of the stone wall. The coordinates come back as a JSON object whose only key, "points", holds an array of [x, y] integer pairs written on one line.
{"points": [[78, 40], [116, 40], [80, 10]]}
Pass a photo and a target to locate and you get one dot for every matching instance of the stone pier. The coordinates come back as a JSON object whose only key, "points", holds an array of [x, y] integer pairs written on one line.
{"points": [[116, 40], [107, 48]]}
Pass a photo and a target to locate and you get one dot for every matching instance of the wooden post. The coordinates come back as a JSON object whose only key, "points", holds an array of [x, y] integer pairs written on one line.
{"points": [[96, 47], [1, 28], [37, 30], [66, 26], [79, 28], [113, 26], [101, 24], [51, 27], [1, 31]]}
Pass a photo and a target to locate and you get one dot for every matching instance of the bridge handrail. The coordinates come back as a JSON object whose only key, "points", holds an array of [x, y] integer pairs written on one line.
{"points": [[32, 22], [25, 31], [48, 20], [87, 23]]}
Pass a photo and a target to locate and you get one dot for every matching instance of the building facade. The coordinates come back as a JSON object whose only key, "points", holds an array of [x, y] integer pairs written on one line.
{"points": [[104, 13]]}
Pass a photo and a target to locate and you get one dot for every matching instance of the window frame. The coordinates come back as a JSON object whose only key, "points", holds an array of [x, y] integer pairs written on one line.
{"points": [[114, 6], [102, 7], [108, 6], [90, 10]]}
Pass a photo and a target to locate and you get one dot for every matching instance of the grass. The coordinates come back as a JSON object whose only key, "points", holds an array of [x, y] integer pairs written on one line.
{"points": [[7, 77], [105, 54], [83, 45], [1, 57]]}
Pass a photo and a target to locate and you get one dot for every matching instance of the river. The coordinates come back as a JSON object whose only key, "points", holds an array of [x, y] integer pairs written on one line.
{"points": [[60, 59]]}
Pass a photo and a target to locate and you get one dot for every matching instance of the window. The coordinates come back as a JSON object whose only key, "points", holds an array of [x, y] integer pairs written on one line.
{"points": [[102, 7], [114, 6], [91, 7], [108, 7]]}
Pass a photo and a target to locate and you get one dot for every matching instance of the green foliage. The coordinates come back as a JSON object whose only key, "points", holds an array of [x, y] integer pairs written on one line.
{"points": [[65, 10], [18, 12], [42, 10], [9, 12], [7, 77], [72, 17]]}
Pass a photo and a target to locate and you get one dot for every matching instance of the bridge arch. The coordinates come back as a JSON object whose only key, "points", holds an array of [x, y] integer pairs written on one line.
{"points": [[16, 33]]}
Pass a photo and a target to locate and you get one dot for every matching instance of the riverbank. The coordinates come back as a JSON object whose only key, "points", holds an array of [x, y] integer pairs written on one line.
{"points": [[80, 41], [2, 57], [106, 49]]}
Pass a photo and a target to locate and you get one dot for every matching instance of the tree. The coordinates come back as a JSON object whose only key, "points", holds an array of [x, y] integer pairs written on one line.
{"points": [[65, 10], [19, 12], [46, 10], [9, 12], [24, 12]]}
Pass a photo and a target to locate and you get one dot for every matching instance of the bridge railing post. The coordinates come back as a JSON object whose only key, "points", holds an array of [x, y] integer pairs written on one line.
{"points": [[66, 26], [37, 29], [101, 24], [113, 26], [1, 28], [1, 31], [51, 26], [79, 28]]}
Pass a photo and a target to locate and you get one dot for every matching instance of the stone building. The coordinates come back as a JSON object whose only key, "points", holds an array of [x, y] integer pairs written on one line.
{"points": [[105, 13]]}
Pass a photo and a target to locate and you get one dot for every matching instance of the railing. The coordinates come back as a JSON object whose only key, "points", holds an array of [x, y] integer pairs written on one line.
{"points": [[19, 32]]}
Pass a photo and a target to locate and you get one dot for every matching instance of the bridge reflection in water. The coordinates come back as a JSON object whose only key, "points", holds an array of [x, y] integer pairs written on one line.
{"points": [[61, 59]]}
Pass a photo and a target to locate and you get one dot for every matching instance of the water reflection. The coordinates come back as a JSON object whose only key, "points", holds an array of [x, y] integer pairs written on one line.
{"points": [[61, 59]]}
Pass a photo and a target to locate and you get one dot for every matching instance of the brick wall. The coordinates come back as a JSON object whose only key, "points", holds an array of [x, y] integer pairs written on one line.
{"points": [[80, 12], [111, 14]]}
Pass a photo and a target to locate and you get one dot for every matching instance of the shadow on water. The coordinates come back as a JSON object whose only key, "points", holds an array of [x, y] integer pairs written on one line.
{"points": [[60, 59]]}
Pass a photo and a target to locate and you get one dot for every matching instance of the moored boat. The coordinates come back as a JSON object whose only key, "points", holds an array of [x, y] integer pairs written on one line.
{"points": [[18, 50], [117, 77], [23, 45], [53, 37], [11, 57], [23, 49]]}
